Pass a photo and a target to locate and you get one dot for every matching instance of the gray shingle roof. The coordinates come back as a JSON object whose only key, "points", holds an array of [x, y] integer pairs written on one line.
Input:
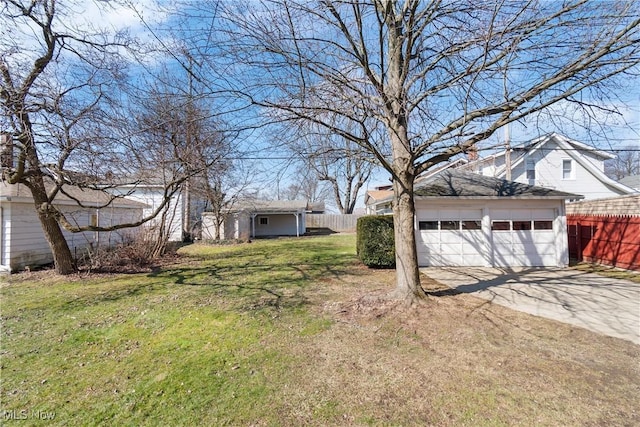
{"points": [[460, 184], [87, 196], [275, 206]]}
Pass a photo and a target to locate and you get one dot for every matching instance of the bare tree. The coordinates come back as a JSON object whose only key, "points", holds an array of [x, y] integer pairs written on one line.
{"points": [[306, 186], [182, 137], [49, 111], [340, 162], [438, 76], [61, 86], [626, 163]]}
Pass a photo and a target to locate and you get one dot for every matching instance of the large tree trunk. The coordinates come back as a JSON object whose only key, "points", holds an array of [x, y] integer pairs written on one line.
{"points": [[62, 257], [408, 286]]}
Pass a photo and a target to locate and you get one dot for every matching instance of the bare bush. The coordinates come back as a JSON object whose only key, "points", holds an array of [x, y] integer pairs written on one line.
{"points": [[136, 253]]}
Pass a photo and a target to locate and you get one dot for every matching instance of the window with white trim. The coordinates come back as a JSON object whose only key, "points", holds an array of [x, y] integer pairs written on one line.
{"points": [[567, 169], [427, 225], [531, 170]]}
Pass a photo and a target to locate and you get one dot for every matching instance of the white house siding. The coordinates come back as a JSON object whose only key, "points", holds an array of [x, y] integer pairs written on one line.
{"points": [[236, 226], [487, 247], [153, 197], [5, 236], [24, 244], [548, 166]]}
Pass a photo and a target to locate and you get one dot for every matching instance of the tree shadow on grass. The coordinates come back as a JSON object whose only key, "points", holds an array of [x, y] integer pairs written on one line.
{"points": [[256, 282]]}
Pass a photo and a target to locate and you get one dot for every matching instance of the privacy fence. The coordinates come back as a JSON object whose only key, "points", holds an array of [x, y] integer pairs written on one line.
{"points": [[605, 231], [336, 223]]}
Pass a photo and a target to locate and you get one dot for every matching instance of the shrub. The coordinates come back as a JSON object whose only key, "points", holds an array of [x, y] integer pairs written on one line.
{"points": [[136, 252], [375, 244]]}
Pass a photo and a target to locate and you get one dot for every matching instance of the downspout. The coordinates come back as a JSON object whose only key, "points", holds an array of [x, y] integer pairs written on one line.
{"points": [[97, 236]]}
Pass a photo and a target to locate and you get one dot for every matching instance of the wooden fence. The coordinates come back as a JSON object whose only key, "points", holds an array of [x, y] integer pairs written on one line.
{"points": [[612, 240], [335, 223], [606, 231]]}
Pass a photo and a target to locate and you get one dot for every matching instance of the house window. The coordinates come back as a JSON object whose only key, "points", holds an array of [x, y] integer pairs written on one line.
{"points": [[427, 225], [263, 220], [531, 170], [449, 225], [567, 169], [93, 220]]}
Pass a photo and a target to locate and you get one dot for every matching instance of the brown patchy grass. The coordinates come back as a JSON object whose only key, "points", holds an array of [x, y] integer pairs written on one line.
{"points": [[459, 360], [609, 271]]}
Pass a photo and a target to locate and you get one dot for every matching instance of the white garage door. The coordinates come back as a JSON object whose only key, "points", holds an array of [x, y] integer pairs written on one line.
{"points": [[453, 237], [523, 237], [450, 237]]}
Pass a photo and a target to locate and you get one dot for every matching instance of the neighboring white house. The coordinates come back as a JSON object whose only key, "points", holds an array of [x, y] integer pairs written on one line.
{"points": [[464, 219], [378, 202], [175, 213], [259, 218], [22, 241], [557, 162]]}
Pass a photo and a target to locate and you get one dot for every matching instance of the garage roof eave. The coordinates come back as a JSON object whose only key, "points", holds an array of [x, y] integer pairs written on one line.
{"points": [[457, 184], [528, 197]]}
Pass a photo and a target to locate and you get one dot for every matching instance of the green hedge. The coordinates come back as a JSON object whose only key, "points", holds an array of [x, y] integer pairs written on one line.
{"points": [[375, 244]]}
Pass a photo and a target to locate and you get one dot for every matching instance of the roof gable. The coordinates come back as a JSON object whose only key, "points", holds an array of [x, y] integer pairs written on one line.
{"points": [[571, 147], [572, 144], [375, 195]]}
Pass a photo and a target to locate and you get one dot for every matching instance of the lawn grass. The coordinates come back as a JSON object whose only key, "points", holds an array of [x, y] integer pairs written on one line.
{"points": [[293, 332], [608, 271]]}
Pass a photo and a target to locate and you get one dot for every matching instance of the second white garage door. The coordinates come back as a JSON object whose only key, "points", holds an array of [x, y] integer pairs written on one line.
{"points": [[523, 237]]}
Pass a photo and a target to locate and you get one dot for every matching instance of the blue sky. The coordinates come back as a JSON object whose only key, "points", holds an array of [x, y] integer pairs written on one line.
{"points": [[607, 132]]}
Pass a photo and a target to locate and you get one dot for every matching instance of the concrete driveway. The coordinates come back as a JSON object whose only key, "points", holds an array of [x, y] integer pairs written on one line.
{"points": [[600, 304]]}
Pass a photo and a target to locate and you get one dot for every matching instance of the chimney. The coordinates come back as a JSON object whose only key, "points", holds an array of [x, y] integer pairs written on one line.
{"points": [[472, 153]]}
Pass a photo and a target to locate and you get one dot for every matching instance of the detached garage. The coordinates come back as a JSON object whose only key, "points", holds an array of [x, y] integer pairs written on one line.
{"points": [[466, 219]]}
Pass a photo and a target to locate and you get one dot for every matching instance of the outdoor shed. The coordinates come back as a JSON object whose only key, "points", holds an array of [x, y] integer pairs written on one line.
{"points": [[22, 241], [466, 219], [259, 218]]}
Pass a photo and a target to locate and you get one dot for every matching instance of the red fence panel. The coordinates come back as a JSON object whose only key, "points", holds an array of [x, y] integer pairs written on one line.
{"points": [[612, 240]]}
